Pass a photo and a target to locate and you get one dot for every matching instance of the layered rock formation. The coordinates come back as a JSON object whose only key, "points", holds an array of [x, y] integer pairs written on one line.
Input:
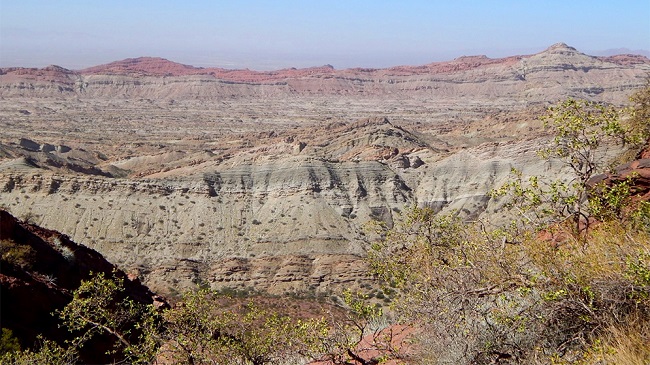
{"points": [[236, 178], [557, 72], [279, 217]]}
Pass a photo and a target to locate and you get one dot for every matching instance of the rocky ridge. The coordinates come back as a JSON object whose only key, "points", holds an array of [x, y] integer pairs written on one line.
{"points": [[285, 217], [240, 179], [513, 79]]}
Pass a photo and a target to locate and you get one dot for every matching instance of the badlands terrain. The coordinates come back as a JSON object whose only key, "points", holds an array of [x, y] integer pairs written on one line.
{"points": [[265, 180]]}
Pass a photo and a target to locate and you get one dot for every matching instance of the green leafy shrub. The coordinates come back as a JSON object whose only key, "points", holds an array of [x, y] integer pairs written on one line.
{"points": [[16, 254], [8, 343], [201, 331], [99, 306], [47, 353]]}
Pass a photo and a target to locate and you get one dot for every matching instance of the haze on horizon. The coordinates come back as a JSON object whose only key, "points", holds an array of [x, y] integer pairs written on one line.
{"points": [[266, 35]]}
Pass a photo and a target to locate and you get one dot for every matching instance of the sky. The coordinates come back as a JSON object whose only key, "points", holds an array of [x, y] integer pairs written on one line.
{"points": [[274, 34]]}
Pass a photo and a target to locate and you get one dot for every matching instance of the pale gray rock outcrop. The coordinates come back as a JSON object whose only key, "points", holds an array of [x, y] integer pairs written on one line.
{"points": [[275, 193], [288, 224]]}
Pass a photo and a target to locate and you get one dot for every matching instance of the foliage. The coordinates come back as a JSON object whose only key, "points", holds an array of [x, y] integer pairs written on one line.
{"points": [[426, 242], [48, 353], [457, 281], [8, 343], [198, 331], [16, 254], [208, 328], [201, 332], [580, 128], [493, 298], [363, 337], [259, 336], [640, 111], [538, 202], [588, 287], [99, 306], [192, 328], [608, 202], [640, 217], [584, 135], [550, 287]]}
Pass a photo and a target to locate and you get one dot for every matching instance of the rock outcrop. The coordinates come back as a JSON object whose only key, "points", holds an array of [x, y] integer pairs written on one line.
{"points": [[265, 217], [238, 178], [636, 173]]}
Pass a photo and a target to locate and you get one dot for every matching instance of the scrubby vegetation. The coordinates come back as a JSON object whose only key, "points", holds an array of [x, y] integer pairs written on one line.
{"points": [[208, 328], [566, 282], [17, 254], [538, 297]]}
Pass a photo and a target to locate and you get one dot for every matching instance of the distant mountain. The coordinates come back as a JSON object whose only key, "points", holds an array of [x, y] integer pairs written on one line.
{"points": [[558, 72], [161, 67], [145, 66], [622, 51]]}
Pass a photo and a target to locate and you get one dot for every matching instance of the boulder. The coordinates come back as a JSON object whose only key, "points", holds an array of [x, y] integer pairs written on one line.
{"points": [[29, 145]]}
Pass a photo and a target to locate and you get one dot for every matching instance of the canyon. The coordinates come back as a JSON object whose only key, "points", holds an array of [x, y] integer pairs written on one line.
{"points": [[186, 176]]}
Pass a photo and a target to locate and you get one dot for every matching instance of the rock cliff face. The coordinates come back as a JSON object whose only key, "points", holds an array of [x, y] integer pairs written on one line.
{"points": [[276, 217], [236, 178]]}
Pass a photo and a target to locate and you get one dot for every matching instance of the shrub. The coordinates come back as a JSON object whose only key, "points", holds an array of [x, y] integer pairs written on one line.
{"points": [[479, 295], [48, 353], [8, 343], [16, 254]]}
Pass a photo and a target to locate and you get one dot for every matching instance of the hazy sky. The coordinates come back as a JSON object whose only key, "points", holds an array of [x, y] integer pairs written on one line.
{"points": [[281, 33]]}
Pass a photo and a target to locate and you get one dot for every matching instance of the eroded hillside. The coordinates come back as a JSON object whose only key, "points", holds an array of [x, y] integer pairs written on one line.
{"points": [[265, 180]]}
